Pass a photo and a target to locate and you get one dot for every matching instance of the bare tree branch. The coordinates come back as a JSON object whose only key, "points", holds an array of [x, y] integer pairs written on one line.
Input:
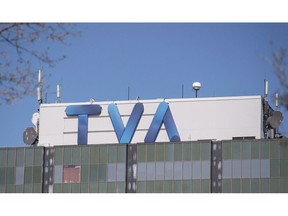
{"points": [[24, 43]]}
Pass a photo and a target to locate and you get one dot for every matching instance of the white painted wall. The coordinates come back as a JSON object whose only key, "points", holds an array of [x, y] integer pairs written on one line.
{"points": [[219, 118]]}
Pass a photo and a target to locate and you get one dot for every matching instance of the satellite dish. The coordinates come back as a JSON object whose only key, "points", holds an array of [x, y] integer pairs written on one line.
{"points": [[35, 118], [275, 119], [30, 136]]}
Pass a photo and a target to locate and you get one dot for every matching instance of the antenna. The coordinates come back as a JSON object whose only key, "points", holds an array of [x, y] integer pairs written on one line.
{"points": [[39, 88], [265, 89], [276, 100], [58, 94], [196, 86]]}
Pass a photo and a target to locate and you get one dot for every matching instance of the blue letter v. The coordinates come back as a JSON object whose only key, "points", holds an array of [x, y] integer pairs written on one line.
{"points": [[125, 135]]}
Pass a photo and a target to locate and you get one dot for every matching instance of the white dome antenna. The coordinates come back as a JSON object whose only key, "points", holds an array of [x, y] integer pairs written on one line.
{"points": [[196, 86]]}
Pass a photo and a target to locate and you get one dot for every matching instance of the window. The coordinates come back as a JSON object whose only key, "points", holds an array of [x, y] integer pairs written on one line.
{"points": [[71, 174]]}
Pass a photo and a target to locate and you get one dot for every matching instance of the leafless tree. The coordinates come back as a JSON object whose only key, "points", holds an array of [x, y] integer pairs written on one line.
{"points": [[23, 44], [280, 67]]}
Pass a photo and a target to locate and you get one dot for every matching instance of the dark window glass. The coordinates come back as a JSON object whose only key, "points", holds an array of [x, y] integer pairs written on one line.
{"points": [[29, 156], [141, 186], [20, 157], [10, 175], [111, 187], [255, 149], [2, 176], [169, 152], [227, 150], [75, 188], [205, 151], [112, 154], [28, 188], [28, 175], [37, 188], [11, 157], [150, 186], [187, 151], [94, 173], [76, 155], [168, 186], [102, 187], [274, 150], [85, 154], [274, 185], [19, 189], [246, 150], [37, 174], [67, 155], [196, 151], [226, 185], [178, 152], [151, 152], [246, 186], [196, 186], [84, 188], [66, 188], [3, 157], [284, 150], [235, 185], [93, 187], [103, 154], [275, 168], [38, 156], [57, 188], [102, 172], [205, 186], [264, 185], [284, 168], [178, 186], [283, 185], [236, 150], [160, 152], [159, 186], [141, 153], [264, 149], [58, 155], [94, 150], [187, 186], [121, 157], [255, 186], [84, 173]]}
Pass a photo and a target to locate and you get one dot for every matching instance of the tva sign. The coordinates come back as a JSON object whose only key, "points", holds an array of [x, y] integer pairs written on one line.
{"points": [[124, 134]]}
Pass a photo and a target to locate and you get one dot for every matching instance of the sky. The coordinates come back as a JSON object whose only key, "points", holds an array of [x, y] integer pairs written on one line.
{"points": [[154, 60]]}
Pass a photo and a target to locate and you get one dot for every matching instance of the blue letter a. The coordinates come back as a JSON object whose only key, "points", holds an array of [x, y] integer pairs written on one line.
{"points": [[162, 115], [125, 135]]}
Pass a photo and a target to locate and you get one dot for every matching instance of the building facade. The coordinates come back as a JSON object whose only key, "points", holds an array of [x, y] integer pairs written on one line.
{"points": [[231, 166]]}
